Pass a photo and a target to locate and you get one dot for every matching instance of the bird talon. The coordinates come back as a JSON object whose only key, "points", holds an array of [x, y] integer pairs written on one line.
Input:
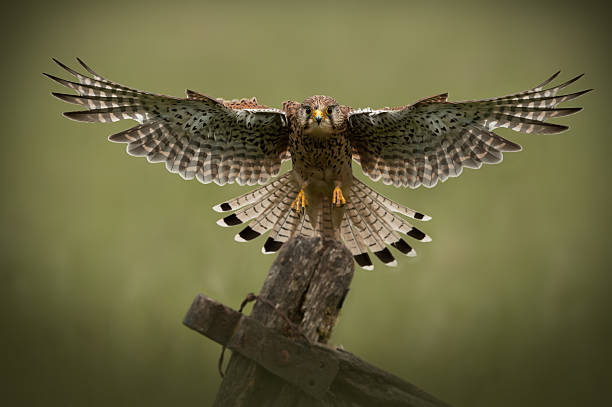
{"points": [[299, 202], [338, 198]]}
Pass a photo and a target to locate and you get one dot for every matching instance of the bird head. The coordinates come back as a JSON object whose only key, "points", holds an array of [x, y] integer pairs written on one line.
{"points": [[321, 115]]}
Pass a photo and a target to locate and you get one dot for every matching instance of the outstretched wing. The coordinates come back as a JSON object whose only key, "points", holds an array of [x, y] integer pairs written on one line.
{"points": [[434, 139], [211, 140]]}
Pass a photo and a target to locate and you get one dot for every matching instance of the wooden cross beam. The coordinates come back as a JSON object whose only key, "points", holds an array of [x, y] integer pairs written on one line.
{"points": [[310, 368], [274, 365]]}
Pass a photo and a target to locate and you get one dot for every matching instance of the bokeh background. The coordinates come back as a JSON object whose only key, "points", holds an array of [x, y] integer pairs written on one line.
{"points": [[102, 253]]}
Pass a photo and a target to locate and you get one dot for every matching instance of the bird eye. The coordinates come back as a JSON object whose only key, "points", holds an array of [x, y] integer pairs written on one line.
{"points": [[329, 110], [308, 110]]}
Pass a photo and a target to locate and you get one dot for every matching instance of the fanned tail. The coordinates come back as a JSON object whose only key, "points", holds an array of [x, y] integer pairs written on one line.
{"points": [[265, 206], [268, 208], [369, 221], [252, 196], [369, 224]]}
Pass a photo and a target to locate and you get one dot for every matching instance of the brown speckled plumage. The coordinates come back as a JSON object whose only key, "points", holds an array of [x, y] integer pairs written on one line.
{"points": [[221, 141]]}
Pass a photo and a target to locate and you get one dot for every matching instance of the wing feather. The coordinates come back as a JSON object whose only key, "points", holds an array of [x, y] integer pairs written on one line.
{"points": [[197, 137], [433, 139]]}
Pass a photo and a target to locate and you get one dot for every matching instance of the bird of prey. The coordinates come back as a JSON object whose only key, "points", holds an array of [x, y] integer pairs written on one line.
{"points": [[222, 141]]}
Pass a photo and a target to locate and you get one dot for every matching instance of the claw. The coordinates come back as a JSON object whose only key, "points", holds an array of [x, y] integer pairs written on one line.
{"points": [[299, 202], [338, 198]]}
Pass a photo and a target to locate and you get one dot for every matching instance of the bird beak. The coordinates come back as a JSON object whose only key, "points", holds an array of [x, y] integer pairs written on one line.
{"points": [[318, 116]]}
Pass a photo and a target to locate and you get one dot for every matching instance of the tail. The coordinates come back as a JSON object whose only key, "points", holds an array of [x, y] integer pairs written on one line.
{"points": [[270, 208], [370, 224], [367, 224]]}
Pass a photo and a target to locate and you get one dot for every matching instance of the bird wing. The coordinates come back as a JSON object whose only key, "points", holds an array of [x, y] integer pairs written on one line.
{"points": [[433, 139], [212, 140]]}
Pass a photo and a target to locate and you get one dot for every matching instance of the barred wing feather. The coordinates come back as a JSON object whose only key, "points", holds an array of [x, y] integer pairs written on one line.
{"points": [[434, 139], [198, 137]]}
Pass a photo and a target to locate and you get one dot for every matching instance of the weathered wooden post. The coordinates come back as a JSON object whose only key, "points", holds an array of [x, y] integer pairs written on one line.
{"points": [[275, 363]]}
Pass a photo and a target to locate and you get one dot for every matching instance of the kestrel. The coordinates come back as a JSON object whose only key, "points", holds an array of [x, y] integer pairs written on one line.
{"points": [[221, 141]]}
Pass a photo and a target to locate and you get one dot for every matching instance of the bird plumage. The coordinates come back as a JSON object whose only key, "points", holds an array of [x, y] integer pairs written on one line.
{"points": [[215, 140]]}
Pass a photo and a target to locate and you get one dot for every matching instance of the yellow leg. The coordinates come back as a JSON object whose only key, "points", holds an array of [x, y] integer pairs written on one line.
{"points": [[338, 198], [299, 202]]}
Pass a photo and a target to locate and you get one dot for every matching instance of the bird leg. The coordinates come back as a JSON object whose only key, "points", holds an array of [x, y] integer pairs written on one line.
{"points": [[299, 202], [337, 197]]}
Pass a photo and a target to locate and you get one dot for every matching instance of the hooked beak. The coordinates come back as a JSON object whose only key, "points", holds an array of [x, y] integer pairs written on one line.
{"points": [[318, 116]]}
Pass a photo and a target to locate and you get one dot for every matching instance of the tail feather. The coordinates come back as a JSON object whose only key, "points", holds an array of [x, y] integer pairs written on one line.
{"points": [[252, 196], [355, 243], [324, 224], [373, 222], [274, 242], [247, 213], [382, 231], [372, 199], [389, 204], [268, 208], [368, 223], [361, 232], [369, 215], [383, 220], [370, 229], [284, 228], [265, 221]]}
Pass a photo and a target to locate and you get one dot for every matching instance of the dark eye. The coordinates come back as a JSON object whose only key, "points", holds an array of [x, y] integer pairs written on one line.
{"points": [[308, 110], [329, 110]]}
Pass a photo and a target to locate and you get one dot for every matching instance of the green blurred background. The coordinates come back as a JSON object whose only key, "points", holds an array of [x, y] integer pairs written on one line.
{"points": [[102, 253]]}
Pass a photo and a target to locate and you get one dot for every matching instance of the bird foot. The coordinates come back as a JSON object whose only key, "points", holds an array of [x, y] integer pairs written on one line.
{"points": [[338, 198], [299, 202]]}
